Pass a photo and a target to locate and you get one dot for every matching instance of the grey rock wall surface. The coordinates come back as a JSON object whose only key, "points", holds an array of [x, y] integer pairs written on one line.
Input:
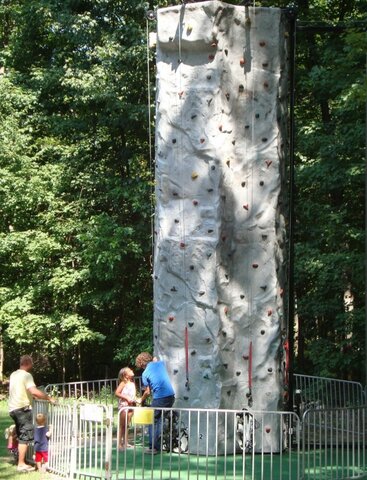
{"points": [[220, 233]]}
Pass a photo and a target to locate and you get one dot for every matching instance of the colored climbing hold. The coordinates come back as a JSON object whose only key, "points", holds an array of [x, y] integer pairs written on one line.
{"points": [[241, 88], [214, 44], [245, 357], [261, 183], [226, 313], [192, 267], [257, 115], [191, 324], [243, 184], [173, 289], [174, 140], [265, 64], [171, 318], [213, 167], [220, 128], [270, 370], [267, 429], [177, 220], [175, 371], [228, 163], [264, 139], [262, 43], [262, 332], [268, 163], [210, 230], [193, 352], [270, 312], [209, 190], [266, 85], [226, 52], [242, 296], [242, 61], [201, 293], [238, 373], [195, 202], [228, 96], [245, 206], [180, 94], [193, 116], [209, 77], [255, 265], [182, 245], [211, 57], [188, 29], [202, 140]]}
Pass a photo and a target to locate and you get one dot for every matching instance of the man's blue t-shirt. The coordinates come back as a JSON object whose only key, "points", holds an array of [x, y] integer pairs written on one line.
{"points": [[155, 376]]}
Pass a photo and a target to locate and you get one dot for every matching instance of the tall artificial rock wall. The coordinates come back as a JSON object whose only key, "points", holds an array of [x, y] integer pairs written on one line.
{"points": [[219, 267]]}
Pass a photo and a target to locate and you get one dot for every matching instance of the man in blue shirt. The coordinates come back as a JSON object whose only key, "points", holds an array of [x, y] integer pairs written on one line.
{"points": [[156, 380]]}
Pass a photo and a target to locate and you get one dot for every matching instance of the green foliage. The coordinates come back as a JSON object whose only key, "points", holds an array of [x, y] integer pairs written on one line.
{"points": [[330, 143], [75, 183]]}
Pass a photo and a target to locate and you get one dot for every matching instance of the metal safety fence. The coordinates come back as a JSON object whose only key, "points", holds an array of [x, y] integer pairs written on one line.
{"points": [[205, 444], [312, 392], [334, 443], [98, 391]]}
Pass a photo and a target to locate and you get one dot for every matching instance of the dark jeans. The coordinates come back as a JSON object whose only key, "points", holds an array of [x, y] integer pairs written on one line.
{"points": [[23, 420], [158, 402]]}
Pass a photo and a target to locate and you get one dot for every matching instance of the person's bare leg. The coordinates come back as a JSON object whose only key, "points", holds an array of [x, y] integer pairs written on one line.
{"points": [[39, 466], [22, 449]]}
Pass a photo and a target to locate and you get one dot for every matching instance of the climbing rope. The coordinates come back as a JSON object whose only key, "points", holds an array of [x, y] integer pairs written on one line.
{"points": [[180, 96], [150, 15]]}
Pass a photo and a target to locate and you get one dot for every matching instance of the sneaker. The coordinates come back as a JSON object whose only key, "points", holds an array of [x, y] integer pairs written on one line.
{"points": [[152, 451], [25, 468]]}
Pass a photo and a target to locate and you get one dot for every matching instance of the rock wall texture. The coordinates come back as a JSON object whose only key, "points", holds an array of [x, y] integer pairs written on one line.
{"points": [[220, 234]]}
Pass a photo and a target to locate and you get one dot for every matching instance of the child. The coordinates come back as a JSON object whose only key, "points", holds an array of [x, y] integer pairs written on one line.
{"points": [[41, 437], [11, 437], [126, 393]]}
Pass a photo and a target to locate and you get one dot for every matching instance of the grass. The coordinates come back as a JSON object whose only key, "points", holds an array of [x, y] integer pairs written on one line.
{"points": [[8, 469]]}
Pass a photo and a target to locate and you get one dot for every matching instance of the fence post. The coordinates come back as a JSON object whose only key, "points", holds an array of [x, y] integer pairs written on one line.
{"points": [[74, 437]]}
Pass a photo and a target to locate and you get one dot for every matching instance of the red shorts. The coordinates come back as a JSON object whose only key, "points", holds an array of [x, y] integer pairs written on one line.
{"points": [[40, 456]]}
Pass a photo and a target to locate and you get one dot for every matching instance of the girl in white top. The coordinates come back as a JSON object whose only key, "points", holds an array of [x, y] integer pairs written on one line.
{"points": [[126, 393]]}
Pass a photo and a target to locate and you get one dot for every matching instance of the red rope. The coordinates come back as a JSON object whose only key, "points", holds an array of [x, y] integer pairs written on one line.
{"points": [[250, 367], [187, 355]]}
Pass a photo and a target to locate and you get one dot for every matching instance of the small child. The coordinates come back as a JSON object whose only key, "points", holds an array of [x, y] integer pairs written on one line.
{"points": [[126, 393], [12, 438], [41, 438]]}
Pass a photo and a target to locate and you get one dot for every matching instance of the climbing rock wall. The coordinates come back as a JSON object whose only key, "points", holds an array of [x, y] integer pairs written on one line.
{"points": [[219, 267]]}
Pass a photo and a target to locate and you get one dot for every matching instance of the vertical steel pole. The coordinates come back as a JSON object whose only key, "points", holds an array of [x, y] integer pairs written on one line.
{"points": [[292, 15]]}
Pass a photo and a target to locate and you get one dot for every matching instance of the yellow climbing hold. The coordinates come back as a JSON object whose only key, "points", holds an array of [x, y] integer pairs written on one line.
{"points": [[194, 175], [189, 29]]}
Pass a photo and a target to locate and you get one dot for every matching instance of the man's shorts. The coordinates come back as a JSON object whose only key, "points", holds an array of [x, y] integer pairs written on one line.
{"points": [[23, 420], [41, 456]]}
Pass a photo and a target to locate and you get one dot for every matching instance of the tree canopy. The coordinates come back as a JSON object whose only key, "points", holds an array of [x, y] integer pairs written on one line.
{"points": [[76, 183]]}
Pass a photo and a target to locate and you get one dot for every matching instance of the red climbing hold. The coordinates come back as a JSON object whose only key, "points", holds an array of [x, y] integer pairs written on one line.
{"points": [[245, 206], [226, 310], [182, 245], [180, 94], [171, 318], [267, 429], [268, 163], [242, 61], [202, 140], [211, 57], [195, 202], [270, 312]]}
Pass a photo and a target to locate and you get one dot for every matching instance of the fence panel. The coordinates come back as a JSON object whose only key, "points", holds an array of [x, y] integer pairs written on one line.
{"points": [[97, 391], [60, 422], [319, 392], [334, 443], [92, 442], [211, 444]]}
